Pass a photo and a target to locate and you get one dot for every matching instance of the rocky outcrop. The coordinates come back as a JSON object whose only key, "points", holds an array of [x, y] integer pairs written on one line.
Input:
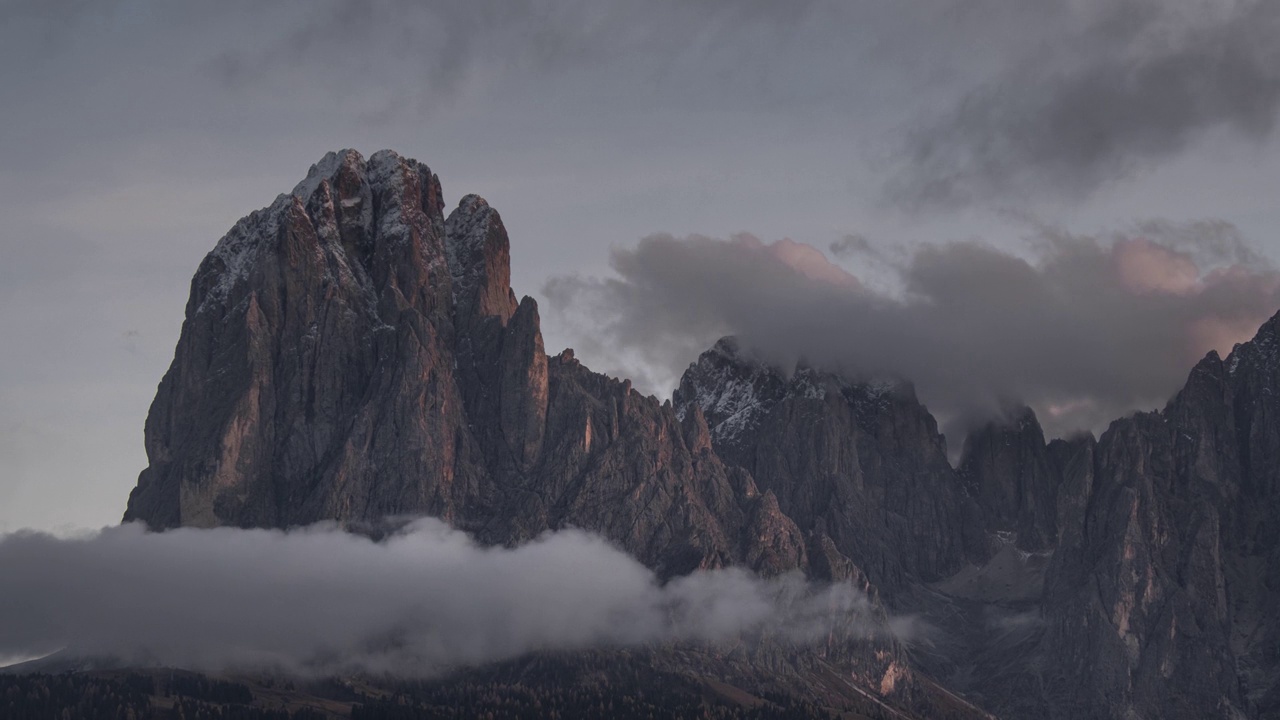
{"points": [[1136, 606], [1007, 468], [1162, 599], [733, 390], [861, 462], [313, 378], [1132, 576], [349, 354]]}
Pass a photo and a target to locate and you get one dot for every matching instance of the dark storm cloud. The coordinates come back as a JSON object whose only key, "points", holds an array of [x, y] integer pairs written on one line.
{"points": [[1145, 81], [1090, 329], [321, 601]]}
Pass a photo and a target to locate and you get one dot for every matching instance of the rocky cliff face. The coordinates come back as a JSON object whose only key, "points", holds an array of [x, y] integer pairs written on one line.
{"points": [[1163, 601], [1160, 596], [1007, 467], [313, 377], [350, 352], [1133, 576], [859, 462]]}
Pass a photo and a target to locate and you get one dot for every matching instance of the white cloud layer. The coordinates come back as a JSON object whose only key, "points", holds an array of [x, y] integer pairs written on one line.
{"points": [[319, 600]]}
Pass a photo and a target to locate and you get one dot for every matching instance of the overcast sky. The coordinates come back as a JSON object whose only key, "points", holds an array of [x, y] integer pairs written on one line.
{"points": [[884, 135]]}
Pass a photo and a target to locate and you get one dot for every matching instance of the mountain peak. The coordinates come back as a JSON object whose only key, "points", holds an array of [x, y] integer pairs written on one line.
{"points": [[366, 357], [479, 256], [327, 169], [1007, 468], [350, 354], [1261, 352], [733, 389]]}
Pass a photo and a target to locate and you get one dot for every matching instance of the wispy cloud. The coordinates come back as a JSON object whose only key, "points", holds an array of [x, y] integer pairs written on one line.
{"points": [[1147, 80]]}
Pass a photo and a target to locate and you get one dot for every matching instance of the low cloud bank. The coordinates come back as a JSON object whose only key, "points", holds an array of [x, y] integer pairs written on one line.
{"points": [[1084, 330], [322, 601]]}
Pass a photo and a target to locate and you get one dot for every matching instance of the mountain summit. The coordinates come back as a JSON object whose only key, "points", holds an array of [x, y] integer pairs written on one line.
{"points": [[351, 353]]}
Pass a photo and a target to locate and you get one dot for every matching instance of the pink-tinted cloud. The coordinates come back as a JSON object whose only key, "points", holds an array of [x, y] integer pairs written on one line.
{"points": [[811, 262], [1091, 328], [1146, 266]]}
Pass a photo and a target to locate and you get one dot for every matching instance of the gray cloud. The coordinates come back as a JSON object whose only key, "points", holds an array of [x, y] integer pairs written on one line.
{"points": [[319, 600], [853, 245], [1089, 329], [1148, 80], [446, 44]]}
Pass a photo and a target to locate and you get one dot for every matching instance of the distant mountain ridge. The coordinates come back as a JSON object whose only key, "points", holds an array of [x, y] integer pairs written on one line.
{"points": [[351, 352]]}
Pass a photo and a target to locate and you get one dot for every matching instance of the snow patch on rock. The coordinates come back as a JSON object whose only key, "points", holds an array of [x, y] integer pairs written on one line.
{"points": [[236, 253], [326, 169]]}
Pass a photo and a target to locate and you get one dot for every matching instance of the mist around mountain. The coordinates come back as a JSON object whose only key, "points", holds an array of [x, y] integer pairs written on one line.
{"points": [[352, 353]]}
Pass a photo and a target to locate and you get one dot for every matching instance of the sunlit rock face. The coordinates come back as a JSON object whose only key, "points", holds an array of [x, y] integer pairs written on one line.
{"points": [[1163, 595], [314, 378], [1133, 575], [351, 353]]}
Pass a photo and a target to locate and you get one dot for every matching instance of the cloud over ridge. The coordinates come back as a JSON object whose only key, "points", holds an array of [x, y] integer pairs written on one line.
{"points": [[1086, 329]]}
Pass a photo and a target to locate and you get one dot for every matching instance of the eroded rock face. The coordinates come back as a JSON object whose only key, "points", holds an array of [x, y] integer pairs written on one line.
{"points": [[861, 462], [1162, 600], [1138, 575], [1007, 468], [313, 378], [350, 353]]}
